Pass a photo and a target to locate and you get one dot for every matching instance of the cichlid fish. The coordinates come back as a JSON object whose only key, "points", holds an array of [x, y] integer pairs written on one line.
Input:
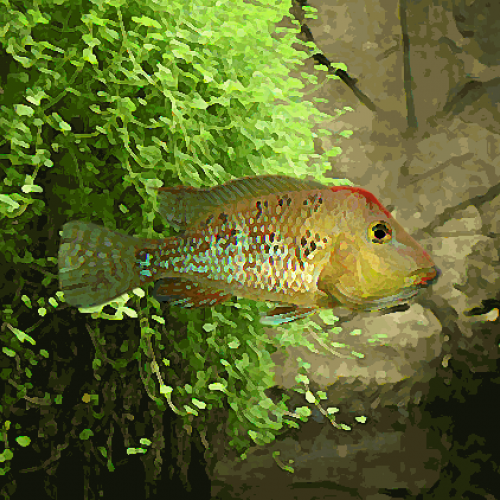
{"points": [[276, 238]]}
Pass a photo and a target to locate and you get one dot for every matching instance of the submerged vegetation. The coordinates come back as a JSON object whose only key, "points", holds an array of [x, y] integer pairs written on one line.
{"points": [[102, 101]]}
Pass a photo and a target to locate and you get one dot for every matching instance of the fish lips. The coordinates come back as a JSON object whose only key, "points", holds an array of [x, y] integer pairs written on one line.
{"points": [[399, 302], [429, 277]]}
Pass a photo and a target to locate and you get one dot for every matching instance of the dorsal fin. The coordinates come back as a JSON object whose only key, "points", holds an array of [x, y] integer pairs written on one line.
{"points": [[181, 206]]}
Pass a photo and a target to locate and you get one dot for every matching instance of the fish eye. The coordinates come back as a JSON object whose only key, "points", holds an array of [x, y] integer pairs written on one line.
{"points": [[380, 232]]}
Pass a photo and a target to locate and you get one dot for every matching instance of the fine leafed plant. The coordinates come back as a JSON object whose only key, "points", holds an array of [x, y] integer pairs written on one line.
{"points": [[100, 101]]}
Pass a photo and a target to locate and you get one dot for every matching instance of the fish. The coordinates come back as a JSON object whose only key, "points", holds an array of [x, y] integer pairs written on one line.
{"points": [[298, 243]]}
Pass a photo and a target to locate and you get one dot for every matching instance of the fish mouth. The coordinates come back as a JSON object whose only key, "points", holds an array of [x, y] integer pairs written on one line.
{"points": [[398, 302], [427, 277]]}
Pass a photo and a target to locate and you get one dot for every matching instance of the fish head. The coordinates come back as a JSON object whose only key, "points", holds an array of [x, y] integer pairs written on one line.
{"points": [[374, 263]]}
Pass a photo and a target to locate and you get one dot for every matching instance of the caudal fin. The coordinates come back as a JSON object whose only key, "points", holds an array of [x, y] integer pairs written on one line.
{"points": [[96, 264]]}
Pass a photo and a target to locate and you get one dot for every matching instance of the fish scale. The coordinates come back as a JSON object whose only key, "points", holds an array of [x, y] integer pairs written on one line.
{"points": [[251, 248], [292, 241]]}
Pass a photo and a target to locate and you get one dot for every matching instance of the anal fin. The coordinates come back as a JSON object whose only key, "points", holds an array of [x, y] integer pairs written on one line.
{"points": [[286, 314], [182, 292]]}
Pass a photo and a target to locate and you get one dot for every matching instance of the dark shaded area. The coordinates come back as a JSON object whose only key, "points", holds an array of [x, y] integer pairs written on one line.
{"points": [[462, 413], [62, 463]]}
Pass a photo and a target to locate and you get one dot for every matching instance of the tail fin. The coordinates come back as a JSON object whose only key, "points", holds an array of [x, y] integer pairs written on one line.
{"points": [[96, 264]]}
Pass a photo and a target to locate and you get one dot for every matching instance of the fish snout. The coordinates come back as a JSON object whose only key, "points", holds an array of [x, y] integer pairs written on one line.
{"points": [[428, 276]]}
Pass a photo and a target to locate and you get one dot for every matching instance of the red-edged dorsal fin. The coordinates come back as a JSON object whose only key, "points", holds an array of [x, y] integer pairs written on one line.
{"points": [[366, 194], [185, 293]]}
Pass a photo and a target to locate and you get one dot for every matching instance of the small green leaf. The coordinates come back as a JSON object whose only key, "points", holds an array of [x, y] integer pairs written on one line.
{"points": [[23, 441], [131, 313], [217, 386], [31, 188], [321, 395], [190, 411], [166, 389], [9, 201], [136, 451], [303, 411], [252, 434], [310, 397], [200, 404], [6, 455], [26, 300], [23, 110], [89, 56], [86, 434], [332, 410], [146, 21], [36, 98]]}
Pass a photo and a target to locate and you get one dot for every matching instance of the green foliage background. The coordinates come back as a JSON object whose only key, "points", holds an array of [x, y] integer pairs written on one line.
{"points": [[100, 101]]}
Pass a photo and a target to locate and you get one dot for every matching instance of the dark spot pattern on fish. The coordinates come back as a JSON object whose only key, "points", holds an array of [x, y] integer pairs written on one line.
{"points": [[259, 208]]}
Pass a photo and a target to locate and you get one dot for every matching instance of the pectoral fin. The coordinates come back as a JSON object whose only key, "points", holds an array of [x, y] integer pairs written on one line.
{"points": [[286, 314]]}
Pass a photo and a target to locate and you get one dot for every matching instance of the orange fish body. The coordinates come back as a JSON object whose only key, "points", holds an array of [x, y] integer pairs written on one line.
{"points": [[291, 241]]}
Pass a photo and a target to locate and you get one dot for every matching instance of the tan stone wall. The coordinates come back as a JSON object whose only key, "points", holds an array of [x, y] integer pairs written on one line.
{"points": [[426, 143]]}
